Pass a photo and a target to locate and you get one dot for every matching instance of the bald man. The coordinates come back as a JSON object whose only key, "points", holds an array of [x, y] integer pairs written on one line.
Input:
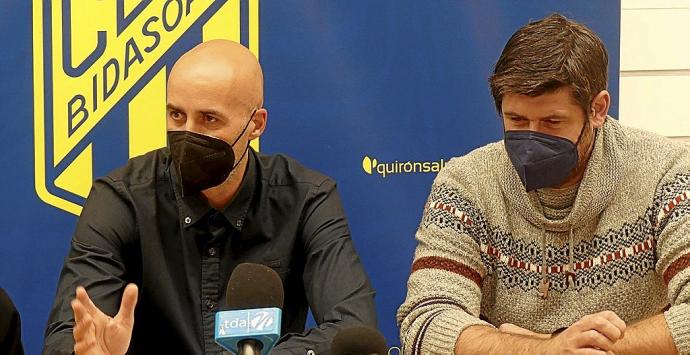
{"points": [[158, 239]]}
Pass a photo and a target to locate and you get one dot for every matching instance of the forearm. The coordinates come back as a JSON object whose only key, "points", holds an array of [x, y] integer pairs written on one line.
{"points": [[649, 336], [318, 339], [299, 344], [488, 340], [358, 310]]}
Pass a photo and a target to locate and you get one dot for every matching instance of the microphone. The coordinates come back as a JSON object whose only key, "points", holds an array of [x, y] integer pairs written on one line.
{"points": [[251, 325], [359, 341]]}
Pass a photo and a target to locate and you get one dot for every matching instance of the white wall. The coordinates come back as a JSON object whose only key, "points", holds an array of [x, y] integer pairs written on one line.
{"points": [[655, 66]]}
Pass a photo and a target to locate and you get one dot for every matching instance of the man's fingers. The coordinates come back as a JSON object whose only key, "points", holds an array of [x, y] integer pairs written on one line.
{"points": [[593, 338], [606, 328], [78, 310], [83, 320], [129, 301], [604, 324], [85, 300], [615, 320], [591, 352], [82, 331]]}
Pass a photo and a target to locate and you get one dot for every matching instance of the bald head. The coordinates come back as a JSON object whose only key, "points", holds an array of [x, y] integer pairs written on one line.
{"points": [[216, 89], [226, 66]]}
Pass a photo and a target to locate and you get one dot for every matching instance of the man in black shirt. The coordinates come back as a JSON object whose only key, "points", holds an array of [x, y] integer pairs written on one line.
{"points": [[174, 223]]}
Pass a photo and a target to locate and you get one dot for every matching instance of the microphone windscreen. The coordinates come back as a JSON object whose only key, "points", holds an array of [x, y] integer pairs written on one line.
{"points": [[359, 341], [254, 286]]}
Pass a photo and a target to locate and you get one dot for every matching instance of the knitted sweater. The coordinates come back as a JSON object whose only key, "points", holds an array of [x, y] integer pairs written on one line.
{"points": [[485, 246]]}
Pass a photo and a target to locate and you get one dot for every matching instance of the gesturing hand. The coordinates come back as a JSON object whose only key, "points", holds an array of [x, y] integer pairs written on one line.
{"points": [[96, 333]]}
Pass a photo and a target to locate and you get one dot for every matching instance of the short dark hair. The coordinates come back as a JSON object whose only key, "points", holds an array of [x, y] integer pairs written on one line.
{"points": [[549, 54]]}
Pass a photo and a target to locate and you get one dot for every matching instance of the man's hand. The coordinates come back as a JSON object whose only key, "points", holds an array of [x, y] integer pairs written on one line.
{"points": [[96, 333], [593, 334]]}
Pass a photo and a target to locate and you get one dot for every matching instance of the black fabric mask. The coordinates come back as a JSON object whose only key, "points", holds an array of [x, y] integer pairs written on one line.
{"points": [[202, 161], [541, 160]]}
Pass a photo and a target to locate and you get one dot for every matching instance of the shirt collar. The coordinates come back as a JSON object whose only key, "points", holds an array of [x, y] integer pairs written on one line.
{"points": [[194, 208]]}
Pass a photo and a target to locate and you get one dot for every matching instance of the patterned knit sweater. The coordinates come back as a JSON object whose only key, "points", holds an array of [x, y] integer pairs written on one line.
{"points": [[485, 246]]}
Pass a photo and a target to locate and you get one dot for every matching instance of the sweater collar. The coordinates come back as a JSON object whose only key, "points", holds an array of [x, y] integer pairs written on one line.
{"points": [[596, 188]]}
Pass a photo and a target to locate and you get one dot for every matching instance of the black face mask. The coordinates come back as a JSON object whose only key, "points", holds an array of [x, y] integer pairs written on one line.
{"points": [[541, 160], [202, 161]]}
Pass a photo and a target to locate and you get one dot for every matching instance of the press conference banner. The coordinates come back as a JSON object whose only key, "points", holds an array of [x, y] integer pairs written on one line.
{"points": [[378, 95]]}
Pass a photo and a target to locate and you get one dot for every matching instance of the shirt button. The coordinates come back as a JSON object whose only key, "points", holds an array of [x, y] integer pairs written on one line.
{"points": [[210, 304], [188, 220], [211, 251], [238, 223]]}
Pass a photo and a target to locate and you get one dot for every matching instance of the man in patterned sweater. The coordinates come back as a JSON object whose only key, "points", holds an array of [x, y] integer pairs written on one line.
{"points": [[570, 236]]}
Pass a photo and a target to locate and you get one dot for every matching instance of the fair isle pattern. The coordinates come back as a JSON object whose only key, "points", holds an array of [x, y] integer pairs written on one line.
{"points": [[591, 278], [446, 209], [675, 196], [562, 268], [674, 205], [615, 256], [668, 207], [618, 255], [676, 213], [673, 200], [450, 209]]}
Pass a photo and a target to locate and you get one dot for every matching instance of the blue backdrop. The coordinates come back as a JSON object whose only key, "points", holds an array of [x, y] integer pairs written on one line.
{"points": [[355, 89]]}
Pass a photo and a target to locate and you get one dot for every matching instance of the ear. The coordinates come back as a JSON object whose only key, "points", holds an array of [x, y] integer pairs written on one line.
{"points": [[258, 124], [600, 109]]}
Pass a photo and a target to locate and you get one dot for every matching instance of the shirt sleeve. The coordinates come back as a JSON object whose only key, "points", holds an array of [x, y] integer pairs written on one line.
{"points": [[95, 260], [10, 327], [673, 251], [330, 255], [444, 287]]}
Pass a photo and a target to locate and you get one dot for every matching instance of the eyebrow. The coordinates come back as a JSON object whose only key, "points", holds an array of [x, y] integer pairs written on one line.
{"points": [[551, 116], [205, 111], [212, 112], [173, 107]]}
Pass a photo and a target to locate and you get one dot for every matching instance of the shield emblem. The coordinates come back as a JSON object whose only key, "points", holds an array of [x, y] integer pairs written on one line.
{"points": [[99, 71]]}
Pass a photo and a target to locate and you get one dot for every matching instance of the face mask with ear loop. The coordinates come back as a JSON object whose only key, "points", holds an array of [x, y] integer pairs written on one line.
{"points": [[203, 161], [541, 160]]}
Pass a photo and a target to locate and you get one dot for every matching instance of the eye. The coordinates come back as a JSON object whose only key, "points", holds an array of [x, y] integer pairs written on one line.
{"points": [[210, 118], [176, 115]]}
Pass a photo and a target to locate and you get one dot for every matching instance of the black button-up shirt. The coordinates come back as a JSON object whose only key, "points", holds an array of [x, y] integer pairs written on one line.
{"points": [[135, 227], [10, 327]]}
